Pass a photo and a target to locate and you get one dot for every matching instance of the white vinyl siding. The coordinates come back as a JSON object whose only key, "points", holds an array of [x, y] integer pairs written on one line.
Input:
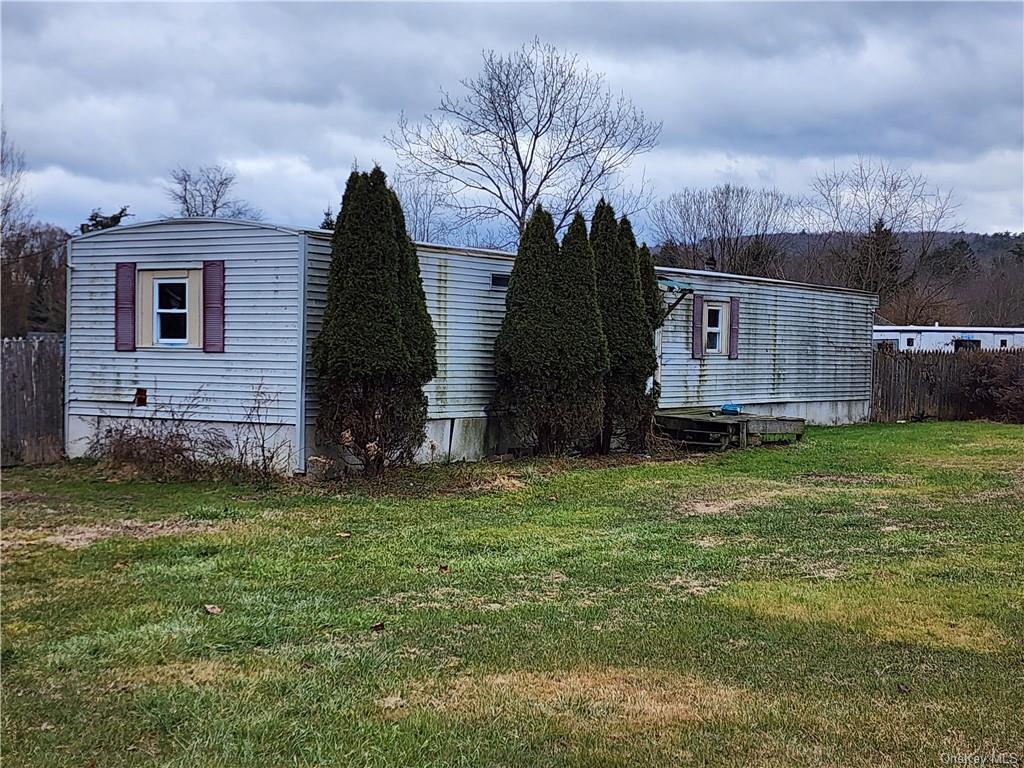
{"points": [[260, 310]]}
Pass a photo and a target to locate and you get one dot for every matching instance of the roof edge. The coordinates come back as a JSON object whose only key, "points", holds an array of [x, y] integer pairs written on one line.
{"points": [[187, 220], [979, 328], [767, 280]]}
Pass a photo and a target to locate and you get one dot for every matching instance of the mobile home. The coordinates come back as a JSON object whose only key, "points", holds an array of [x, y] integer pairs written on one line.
{"points": [[930, 338], [202, 317]]}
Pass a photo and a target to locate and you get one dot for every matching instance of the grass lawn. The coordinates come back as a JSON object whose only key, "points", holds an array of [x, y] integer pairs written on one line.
{"points": [[857, 599]]}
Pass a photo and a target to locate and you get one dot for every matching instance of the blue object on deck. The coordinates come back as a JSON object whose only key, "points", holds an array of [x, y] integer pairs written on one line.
{"points": [[731, 408]]}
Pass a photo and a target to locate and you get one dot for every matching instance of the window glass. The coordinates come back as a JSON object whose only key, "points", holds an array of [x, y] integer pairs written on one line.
{"points": [[173, 326], [171, 295], [910, 342], [713, 330], [170, 323]]}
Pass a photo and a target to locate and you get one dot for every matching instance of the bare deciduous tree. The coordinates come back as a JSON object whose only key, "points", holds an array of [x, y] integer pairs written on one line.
{"points": [[15, 211], [535, 126], [731, 228], [207, 192], [843, 205], [427, 217]]}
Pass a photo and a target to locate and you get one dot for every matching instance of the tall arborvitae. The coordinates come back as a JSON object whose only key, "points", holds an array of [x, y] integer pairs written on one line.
{"points": [[417, 328], [649, 285], [550, 356], [373, 354], [631, 355]]}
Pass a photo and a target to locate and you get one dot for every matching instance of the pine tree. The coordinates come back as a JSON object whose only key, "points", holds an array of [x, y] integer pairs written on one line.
{"points": [[631, 354], [550, 355], [328, 221], [876, 262], [649, 284], [373, 353]]}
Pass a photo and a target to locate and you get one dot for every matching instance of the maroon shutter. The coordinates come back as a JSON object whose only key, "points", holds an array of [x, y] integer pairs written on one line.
{"points": [[734, 328], [697, 351], [213, 306], [124, 307]]}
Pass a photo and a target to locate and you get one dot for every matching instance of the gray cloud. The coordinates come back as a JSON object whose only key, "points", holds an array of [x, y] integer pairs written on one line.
{"points": [[105, 98]]}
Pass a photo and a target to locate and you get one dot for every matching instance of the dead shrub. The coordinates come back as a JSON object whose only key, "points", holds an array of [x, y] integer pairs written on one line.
{"points": [[168, 445], [175, 442]]}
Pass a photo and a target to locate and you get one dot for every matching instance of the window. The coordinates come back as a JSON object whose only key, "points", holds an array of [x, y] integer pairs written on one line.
{"points": [[1004, 343], [714, 323], [170, 308], [965, 344], [908, 343], [499, 280]]}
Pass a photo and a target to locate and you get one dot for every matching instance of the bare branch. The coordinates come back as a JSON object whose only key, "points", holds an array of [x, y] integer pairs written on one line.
{"points": [[206, 192], [729, 228], [535, 126]]}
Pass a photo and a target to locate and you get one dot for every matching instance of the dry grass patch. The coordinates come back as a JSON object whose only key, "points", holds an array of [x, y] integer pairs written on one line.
{"points": [[857, 479], [882, 611], [196, 673], [701, 507], [623, 699], [80, 536]]}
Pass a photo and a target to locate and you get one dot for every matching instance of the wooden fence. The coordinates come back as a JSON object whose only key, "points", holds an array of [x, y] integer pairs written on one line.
{"points": [[32, 421], [915, 385]]}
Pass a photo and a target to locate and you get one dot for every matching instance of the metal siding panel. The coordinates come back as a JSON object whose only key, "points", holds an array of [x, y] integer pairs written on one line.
{"points": [[798, 344], [466, 313]]}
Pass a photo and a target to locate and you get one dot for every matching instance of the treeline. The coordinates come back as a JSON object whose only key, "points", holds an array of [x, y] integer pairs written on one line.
{"points": [[874, 227]]}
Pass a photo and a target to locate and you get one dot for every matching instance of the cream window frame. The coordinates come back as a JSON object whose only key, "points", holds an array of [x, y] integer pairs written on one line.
{"points": [[721, 329], [145, 310]]}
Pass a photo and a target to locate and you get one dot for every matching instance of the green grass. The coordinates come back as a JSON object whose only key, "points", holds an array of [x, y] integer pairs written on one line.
{"points": [[856, 599]]}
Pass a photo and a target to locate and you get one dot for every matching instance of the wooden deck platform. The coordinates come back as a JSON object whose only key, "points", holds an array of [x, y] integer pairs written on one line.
{"points": [[712, 430]]}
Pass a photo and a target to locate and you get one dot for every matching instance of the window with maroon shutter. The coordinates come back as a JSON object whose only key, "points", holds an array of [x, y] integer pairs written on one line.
{"points": [[124, 307], [697, 347], [734, 329], [213, 306]]}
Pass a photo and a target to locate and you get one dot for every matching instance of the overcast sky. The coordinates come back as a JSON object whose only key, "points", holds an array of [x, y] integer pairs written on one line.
{"points": [[104, 99]]}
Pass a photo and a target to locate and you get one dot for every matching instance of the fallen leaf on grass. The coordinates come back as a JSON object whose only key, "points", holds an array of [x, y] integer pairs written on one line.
{"points": [[343, 535], [213, 610], [443, 569], [120, 566], [378, 627], [335, 557]]}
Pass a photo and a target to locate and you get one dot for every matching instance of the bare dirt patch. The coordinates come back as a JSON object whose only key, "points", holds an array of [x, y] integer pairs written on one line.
{"points": [[80, 536], [617, 697]]}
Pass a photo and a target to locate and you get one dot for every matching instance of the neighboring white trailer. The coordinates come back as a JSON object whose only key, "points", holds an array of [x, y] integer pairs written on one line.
{"points": [[930, 338], [198, 314]]}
